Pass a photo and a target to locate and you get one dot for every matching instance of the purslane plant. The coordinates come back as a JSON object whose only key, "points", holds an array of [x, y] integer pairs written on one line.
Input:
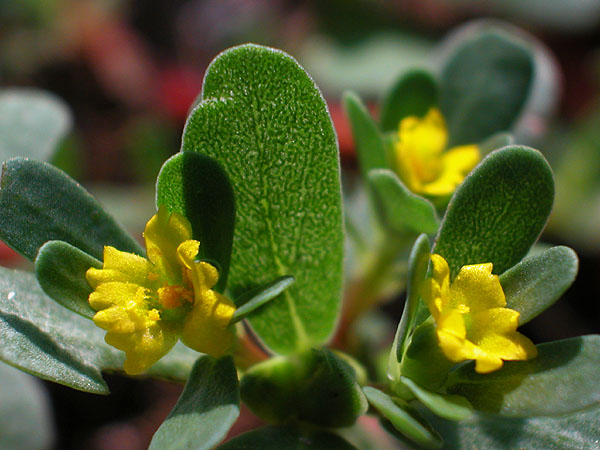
{"points": [[250, 210]]}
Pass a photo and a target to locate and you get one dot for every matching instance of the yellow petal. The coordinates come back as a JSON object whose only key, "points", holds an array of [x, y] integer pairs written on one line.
{"points": [[476, 288], [206, 325], [455, 166], [163, 234], [115, 293], [143, 348], [120, 266]]}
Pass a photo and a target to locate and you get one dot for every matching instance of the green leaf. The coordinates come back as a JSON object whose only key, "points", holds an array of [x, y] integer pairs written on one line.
{"points": [[498, 212], [250, 301], [330, 396], [401, 210], [264, 120], [484, 85], [39, 203], [206, 410], [562, 379], [60, 270], [287, 437], [407, 423], [198, 188], [25, 412], [317, 387], [412, 95], [44, 339], [451, 407], [538, 281], [573, 431], [417, 270], [368, 140], [32, 123]]}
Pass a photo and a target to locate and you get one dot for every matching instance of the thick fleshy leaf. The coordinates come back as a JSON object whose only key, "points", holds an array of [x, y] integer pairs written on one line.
{"points": [[451, 407], [42, 338], [406, 422], [60, 270], [538, 281], [197, 187], [40, 203], [32, 123], [287, 437], [401, 210], [264, 120], [317, 387], [484, 84], [26, 420], [498, 212], [207, 408], [562, 379], [569, 432], [412, 95], [368, 140], [251, 301], [417, 270]]}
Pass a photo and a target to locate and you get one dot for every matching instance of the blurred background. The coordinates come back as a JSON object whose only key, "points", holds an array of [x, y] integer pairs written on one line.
{"points": [[128, 71]]}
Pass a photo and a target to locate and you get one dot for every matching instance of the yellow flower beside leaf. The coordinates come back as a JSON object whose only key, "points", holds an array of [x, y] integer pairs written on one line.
{"points": [[421, 161], [471, 319], [147, 305]]}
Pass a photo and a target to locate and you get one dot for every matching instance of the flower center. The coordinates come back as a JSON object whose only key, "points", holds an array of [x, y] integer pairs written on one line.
{"points": [[171, 297]]}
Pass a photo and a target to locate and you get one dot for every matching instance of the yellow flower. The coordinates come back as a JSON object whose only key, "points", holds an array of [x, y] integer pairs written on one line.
{"points": [[471, 319], [146, 305], [421, 161]]}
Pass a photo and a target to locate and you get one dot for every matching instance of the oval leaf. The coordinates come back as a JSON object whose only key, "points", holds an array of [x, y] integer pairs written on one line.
{"points": [[562, 379], [196, 187], [573, 431], [412, 95], [401, 210], [40, 203], [484, 85], [498, 212], [538, 281], [207, 408], [287, 437], [60, 270], [32, 122], [263, 119], [41, 337]]}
